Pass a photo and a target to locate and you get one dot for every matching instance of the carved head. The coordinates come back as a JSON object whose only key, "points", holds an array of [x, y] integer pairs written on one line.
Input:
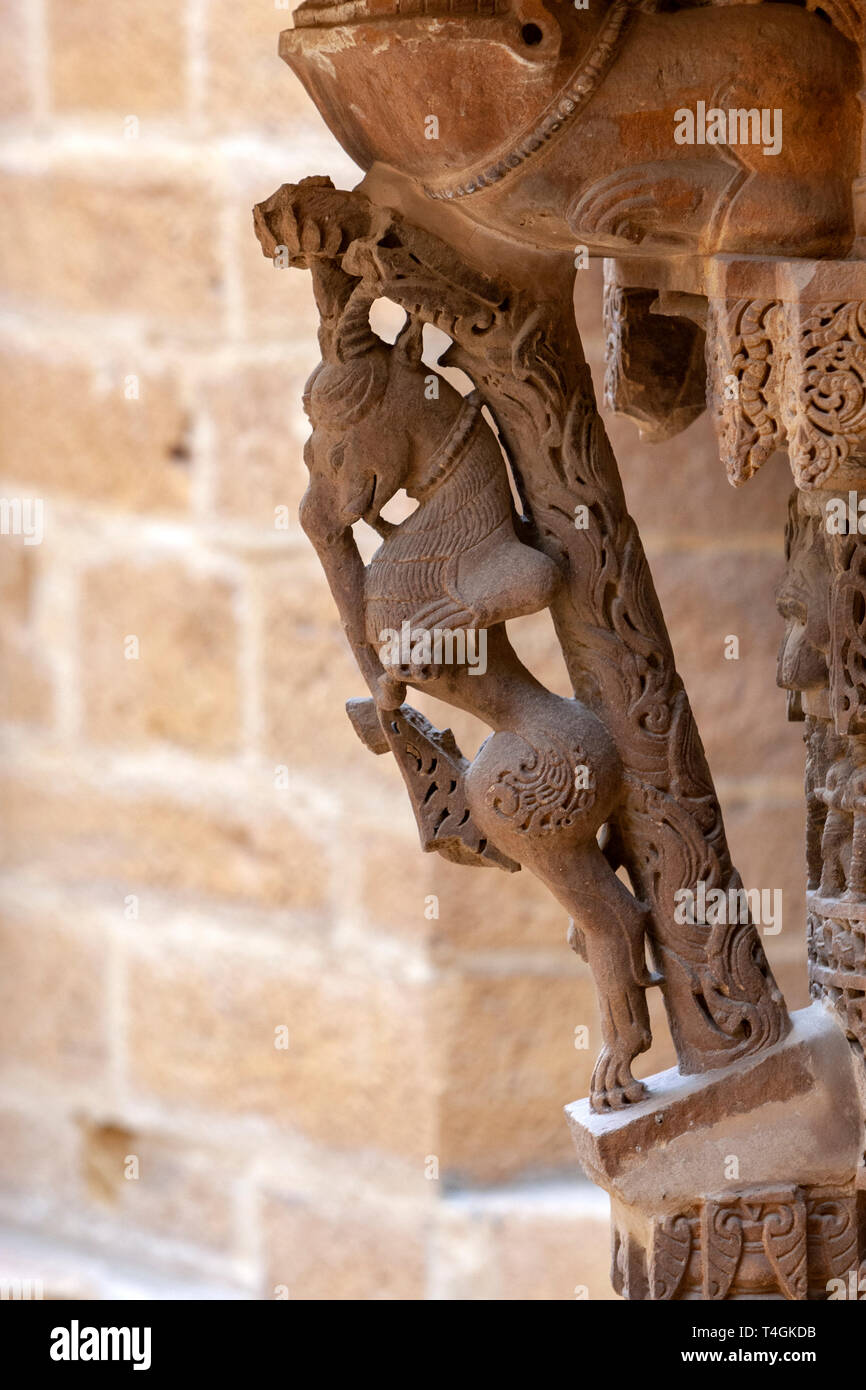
{"points": [[354, 466], [372, 426]]}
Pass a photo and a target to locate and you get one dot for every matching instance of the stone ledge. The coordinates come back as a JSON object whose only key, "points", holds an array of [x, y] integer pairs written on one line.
{"points": [[674, 1147]]}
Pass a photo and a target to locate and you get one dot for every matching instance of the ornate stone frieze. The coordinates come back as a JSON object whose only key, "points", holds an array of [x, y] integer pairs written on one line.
{"points": [[761, 1242], [785, 358]]}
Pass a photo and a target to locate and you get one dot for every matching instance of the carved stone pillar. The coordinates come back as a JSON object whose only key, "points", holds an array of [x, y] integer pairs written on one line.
{"points": [[732, 276], [786, 369]]}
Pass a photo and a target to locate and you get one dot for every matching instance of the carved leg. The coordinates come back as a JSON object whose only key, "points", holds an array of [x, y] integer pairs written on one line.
{"points": [[523, 800], [612, 927], [615, 953]]}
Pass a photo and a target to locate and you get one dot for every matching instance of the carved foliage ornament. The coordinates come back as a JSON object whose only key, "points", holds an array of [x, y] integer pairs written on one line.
{"points": [[763, 1241], [788, 375]]}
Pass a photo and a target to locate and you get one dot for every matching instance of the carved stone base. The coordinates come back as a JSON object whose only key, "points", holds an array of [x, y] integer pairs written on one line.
{"points": [[697, 1208]]}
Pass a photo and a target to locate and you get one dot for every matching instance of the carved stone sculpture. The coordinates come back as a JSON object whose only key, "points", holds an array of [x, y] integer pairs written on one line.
{"points": [[626, 755], [714, 294], [573, 154]]}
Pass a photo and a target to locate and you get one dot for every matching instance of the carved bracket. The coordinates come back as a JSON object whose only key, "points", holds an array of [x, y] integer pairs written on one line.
{"points": [[466, 560]]}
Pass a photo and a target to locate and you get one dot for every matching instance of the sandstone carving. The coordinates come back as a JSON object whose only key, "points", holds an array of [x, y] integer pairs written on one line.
{"points": [[822, 600], [714, 153], [571, 155], [626, 755]]}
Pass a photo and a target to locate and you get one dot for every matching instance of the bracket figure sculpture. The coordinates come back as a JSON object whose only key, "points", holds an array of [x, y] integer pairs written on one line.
{"points": [[729, 260], [625, 758], [549, 778]]}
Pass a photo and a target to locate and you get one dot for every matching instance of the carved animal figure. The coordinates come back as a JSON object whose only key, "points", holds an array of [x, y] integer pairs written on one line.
{"points": [[546, 781], [560, 124], [621, 764]]}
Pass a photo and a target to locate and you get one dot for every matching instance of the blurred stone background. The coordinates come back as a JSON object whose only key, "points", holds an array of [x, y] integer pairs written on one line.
{"points": [[196, 851]]}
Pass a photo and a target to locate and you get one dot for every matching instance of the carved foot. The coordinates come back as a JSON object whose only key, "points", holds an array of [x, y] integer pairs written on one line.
{"points": [[613, 1085]]}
